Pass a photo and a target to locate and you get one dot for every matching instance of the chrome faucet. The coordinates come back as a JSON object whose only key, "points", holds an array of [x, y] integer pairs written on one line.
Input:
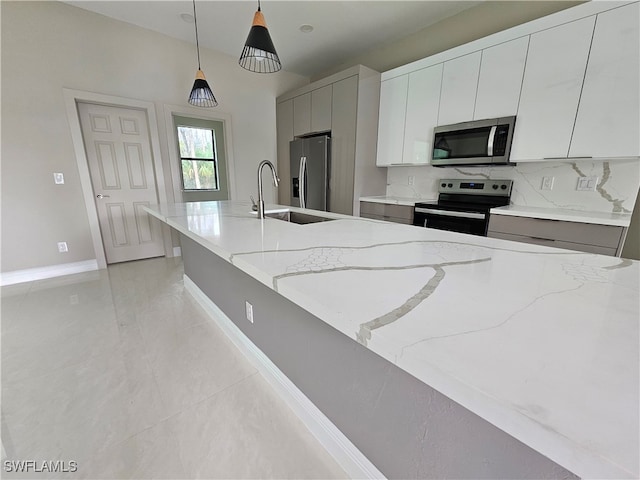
{"points": [[276, 180]]}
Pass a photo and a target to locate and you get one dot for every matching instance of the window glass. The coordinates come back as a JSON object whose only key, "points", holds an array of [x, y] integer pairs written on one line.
{"points": [[195, 142], [198, 158]]}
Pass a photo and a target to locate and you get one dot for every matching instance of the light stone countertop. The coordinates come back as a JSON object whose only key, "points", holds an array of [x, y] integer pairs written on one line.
{"points": [[601, 218], [541, 342], [393, 200]]}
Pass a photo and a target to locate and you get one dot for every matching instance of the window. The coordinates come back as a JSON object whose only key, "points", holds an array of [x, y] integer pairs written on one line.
{"points": [[198, 159]]}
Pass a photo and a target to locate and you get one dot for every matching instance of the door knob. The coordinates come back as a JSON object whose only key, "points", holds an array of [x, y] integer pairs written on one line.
{"points": [[102, 196]]}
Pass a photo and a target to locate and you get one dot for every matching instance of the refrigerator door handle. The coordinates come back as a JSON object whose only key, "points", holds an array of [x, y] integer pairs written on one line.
{"points": [[302, 174]]}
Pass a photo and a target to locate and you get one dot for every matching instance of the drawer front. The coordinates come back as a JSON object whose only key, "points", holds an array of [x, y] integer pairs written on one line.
{"points": [[580, 247], [372, 208], [387, 210], [386, 218], [399, 211], [574, 232]]}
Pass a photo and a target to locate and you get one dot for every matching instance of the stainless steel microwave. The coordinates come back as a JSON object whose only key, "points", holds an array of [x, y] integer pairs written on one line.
{"points": [[480, 142]]}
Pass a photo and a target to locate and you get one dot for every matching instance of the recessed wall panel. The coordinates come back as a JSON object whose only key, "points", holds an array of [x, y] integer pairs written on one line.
{"points": [[118, 222], [129, 126], [135, 165], [143, 222], [100, 123], [108, 165]]}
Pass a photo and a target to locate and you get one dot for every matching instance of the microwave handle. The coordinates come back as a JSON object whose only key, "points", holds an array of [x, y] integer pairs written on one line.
{"points": [[492, 136]]}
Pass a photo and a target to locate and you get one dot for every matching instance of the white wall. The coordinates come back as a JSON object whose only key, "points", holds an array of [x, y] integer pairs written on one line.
{"points": [[48, 46]]}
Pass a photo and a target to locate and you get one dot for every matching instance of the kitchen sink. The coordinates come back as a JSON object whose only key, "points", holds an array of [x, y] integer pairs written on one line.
{"points": [[297, 217]]}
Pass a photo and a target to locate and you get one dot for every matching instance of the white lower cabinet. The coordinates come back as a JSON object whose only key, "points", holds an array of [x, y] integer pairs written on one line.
{"points": [[393, 108], [583, 237], [608, 122], [551, 90]]}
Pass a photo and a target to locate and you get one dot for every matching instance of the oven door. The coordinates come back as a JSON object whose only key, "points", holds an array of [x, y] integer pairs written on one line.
{"points": [[474, 223]]}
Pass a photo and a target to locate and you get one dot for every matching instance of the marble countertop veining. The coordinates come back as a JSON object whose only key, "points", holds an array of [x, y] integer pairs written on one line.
{"points": [[601, 218], [541, 342]]}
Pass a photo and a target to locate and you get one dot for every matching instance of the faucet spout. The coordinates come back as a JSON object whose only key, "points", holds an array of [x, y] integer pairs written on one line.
{"points": [[276, 181]]}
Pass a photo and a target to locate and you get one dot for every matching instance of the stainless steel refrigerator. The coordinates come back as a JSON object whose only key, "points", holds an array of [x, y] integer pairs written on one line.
{"points": [[310, 172]]}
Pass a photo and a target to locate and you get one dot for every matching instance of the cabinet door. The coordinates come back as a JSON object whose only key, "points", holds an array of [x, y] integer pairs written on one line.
{"points": [[459, 86], [608, 123], [550, 91], [343, 145], [423, 99], [393, 107], [302, 114], [284, 134], [501, 71], [321, 109]]}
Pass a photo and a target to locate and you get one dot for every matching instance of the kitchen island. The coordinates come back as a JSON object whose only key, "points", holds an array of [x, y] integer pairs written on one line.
{"points": [[505, 355]]}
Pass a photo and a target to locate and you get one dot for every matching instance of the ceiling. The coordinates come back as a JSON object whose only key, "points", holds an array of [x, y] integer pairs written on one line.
{"points": [[341, 29]]}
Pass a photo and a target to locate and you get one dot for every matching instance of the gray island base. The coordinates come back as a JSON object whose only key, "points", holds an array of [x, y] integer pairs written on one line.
{"points": [[404, 427]]}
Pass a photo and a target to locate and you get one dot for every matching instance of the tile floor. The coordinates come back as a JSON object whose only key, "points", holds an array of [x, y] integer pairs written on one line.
{"points": [[122, 372]]}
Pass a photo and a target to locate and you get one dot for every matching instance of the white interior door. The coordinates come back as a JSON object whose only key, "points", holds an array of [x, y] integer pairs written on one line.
{"points": [[118, 151]]}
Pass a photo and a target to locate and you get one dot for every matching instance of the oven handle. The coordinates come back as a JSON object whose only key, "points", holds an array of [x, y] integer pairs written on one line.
{"points": [[448, 213]]}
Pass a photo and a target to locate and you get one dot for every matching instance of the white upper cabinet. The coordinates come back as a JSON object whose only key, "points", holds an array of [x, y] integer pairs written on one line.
{"points": [[423, 99], [302, 114], [608, 120], [321, 99], [551, 90], [459, 86], [501, 71], [393, 107]]}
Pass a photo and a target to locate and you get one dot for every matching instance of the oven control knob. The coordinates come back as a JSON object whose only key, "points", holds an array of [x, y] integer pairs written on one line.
{"points": [[495, 187], [443, 185], [503, 187], [450, 185]]}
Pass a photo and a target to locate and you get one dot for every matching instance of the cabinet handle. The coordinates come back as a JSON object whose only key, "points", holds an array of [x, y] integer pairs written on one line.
{"points": [[542, 239], [568, 158]]}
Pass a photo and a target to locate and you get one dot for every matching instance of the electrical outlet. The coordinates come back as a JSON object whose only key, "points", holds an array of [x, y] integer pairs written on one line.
{"points": [[73, 299], [62, 247], [58, 178], [249, 310], [410, 180], [547, 183], [587, 184]]}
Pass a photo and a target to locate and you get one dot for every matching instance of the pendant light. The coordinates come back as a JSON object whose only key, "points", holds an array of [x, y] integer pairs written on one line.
{"points": [[259, 55], [201, 95]]}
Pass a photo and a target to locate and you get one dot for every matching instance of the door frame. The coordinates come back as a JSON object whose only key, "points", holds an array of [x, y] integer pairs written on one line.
{"points": [[172, 144], [71, 99]]}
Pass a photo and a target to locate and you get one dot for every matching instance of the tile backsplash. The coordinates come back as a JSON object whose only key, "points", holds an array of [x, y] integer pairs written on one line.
{"points": [[615, 190]]}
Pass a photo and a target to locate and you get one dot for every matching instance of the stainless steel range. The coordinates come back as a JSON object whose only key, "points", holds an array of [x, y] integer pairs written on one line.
{"points": [[463, 205]]}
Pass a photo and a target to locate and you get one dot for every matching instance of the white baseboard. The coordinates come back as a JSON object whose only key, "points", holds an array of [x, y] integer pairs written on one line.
{"points": [[352, 461], [177, 251], [31, 274]]}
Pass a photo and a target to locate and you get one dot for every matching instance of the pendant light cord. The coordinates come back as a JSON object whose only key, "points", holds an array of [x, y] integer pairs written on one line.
{"points": [[195, 21], [258, 5]]}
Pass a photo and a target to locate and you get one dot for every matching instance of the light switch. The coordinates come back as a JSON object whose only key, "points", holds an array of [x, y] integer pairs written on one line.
{"points": [[58, 178]]}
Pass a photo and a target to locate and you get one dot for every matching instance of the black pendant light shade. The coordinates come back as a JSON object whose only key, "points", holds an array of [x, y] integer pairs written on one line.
{"points": [[259, 55], [201, 94]]}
